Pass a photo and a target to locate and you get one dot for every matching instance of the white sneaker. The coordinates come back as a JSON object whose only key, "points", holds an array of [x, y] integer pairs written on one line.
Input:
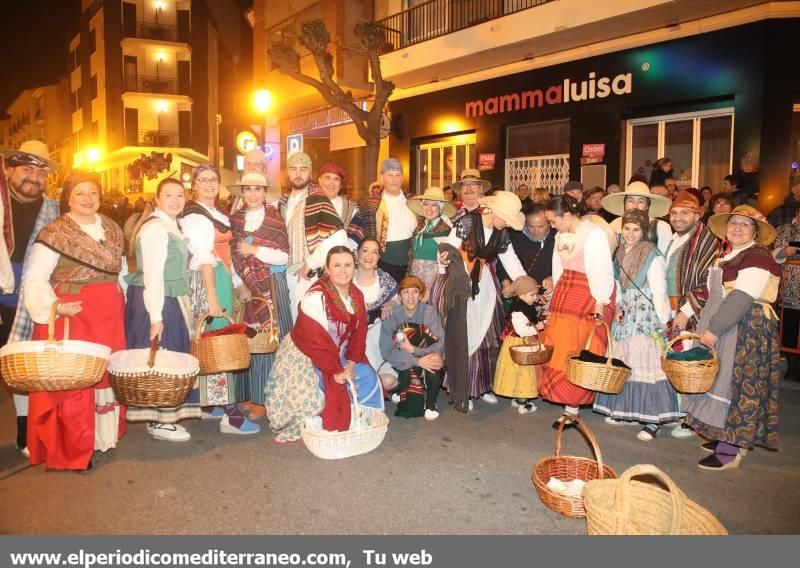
{"points": [[168, 432], [515, 404], [396, 398], [246, 428], [490, 398], [682, 431], [470, 406], [614, 421], [25, 452], [431, 414], [527, 408]]}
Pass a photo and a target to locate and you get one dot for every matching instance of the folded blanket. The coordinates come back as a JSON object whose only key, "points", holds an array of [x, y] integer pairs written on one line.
{"points": [[693, 354], [590, 357], [230, 329]]}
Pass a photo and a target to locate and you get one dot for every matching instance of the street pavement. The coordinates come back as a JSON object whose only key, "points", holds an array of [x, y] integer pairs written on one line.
{"points": [[457, 475]]}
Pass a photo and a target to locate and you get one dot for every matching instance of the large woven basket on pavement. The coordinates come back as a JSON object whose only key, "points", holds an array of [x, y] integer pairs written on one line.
{"points": [[53, 365], [152, 378], [627, 507], [268, 335], [690, 376], [220, 353], [601, 377], [531, 353], [567, 468], [339, 445]]}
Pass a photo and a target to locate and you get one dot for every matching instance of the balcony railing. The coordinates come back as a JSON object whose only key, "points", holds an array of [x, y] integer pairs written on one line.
{"points": [[154, 31], [157, 138], [440, 17], [157, 85]]}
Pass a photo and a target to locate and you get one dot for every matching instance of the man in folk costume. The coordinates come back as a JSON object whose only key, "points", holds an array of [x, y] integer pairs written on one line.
{"points": [[468, 295], [469, 190], [394, 222], [24, 210], [690, 254]]}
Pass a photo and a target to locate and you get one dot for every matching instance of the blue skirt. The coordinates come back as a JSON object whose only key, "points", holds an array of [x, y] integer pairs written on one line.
{"points": [[175, 337]]}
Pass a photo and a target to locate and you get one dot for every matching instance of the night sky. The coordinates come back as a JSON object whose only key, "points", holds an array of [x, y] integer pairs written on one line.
{"points": [[34, 43]]}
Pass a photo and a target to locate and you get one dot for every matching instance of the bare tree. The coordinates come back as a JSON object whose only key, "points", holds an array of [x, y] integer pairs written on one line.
{"points": [[315, 38]]}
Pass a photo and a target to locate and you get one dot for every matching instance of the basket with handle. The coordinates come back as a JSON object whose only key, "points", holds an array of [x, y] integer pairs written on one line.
{"points": [[601, 377], [268, 335], [567, 468], [354, 442], [627, 507], [530, 353], [53, 365], [152, 378], [220, 353], [690, 376]]}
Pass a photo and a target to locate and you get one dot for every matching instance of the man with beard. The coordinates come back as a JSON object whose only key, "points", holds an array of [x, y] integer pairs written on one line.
{"points": [[689, 255], [26, 210]]}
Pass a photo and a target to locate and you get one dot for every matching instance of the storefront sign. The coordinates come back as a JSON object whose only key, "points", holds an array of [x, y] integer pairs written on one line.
{"points": [[246, 141], [486, 161], [594, 150], [567, 92]]}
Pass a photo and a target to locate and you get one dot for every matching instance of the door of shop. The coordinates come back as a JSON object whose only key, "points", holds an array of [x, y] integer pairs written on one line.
{"points": [[439, 163]]}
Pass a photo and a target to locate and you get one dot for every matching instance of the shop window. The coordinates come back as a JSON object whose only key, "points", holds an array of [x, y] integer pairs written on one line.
{"points": [[439, 163], [537, 155], [699, 144], [93, 87]]}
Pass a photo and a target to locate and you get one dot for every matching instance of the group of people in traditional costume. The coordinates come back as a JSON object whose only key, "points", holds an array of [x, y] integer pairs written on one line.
{"points": [[395, 297]]}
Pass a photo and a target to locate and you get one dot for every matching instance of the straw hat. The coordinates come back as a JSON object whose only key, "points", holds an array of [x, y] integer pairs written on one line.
{"points": [[765, 234], [471, 175], [31, 152], [507, 206], [615, 203], [431, 194], [255, 177]]}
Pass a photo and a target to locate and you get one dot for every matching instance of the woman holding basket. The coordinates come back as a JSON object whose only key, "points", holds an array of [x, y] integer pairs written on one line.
{"points": [[741, 409], [260, 250], [208, 231], [76, 261], [158, 301]]}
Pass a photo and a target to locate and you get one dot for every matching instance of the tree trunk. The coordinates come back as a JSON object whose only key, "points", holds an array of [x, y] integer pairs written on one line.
{"points": [[370, 165]]}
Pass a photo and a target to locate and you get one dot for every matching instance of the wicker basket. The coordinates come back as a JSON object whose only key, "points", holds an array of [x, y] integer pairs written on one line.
{"points": [[268, 335], [626, 507], [601, 377], [53, 365], [690, 376], [530, 354], [340, 445], [567, 468], [138, 381], [220, 353]]}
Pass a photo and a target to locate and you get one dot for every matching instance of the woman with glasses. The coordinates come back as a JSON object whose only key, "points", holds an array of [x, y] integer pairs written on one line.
{"points": [[741, 409], [208, 231]]}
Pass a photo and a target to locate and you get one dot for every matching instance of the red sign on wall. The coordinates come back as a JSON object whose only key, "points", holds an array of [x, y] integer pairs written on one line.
{"points": [[486, 161], [594, 150]]}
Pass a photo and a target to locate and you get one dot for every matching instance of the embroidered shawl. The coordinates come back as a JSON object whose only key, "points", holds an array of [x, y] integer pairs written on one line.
{"points": [[325, 354], [254, 273], [632, 265], [388, 290], [322, 220], [697, 256], [65, 237]]}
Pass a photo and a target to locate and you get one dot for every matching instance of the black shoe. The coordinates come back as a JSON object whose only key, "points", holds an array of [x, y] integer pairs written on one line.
{"points": [[557, 423], [712, 463], [22, 434]]}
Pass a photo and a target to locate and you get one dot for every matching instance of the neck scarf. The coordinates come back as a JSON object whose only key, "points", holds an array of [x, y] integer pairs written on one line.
{"points": [[633, 262], [65, 237], [194, 207]]}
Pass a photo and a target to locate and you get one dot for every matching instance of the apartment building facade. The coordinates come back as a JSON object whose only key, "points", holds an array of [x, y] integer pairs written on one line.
{"points": [[144, 77], [543, 91]]}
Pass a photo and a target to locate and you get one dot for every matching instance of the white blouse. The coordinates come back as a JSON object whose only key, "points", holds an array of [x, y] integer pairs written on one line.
{"points": [[37, 293], [313, 305], [253, 218], [596, 260], [199, 231], [154, 239]]}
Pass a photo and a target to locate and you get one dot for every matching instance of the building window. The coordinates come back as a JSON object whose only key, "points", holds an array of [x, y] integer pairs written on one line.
{"points": [[700, 145], [73, 59], [439, 163], [92, 41], [94, 87], [74, 101], [95, 131], [537, 155]]}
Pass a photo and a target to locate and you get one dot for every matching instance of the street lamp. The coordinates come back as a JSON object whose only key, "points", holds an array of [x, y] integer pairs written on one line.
{"points": [[93, 156], [262, 102]]}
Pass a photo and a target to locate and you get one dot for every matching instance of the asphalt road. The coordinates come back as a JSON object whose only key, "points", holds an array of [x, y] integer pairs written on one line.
{"points": [[457, 475]]}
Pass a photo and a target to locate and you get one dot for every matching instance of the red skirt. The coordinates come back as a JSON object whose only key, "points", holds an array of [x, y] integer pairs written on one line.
{"points": [[61, 425], [569, 325]]}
